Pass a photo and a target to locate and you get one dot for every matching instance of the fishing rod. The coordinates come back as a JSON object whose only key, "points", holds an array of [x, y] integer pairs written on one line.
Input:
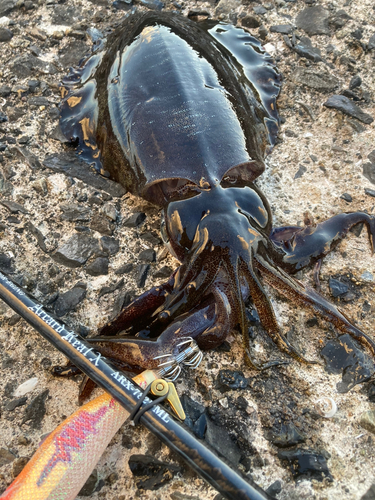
{"points": [[81, 353]]}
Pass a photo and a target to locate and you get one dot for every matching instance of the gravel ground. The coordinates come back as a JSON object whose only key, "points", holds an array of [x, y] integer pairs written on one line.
{"points": [[321, 164]]}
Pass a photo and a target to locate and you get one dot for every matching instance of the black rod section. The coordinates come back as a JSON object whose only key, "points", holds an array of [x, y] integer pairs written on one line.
{"points": [[79, 351]]}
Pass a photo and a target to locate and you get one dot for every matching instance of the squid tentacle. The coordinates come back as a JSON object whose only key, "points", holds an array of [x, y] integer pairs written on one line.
{"points": [[304, 295], [267, 314], [193, 284]]}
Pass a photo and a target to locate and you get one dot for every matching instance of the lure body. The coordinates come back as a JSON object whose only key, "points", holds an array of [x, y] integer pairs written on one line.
{"points": [[66, 458]]}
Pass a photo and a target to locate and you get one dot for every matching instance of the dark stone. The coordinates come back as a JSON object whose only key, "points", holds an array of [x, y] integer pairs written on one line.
{"points": [[9, 389], [25, 65], [30, 159], [262, 32], [76, 251], [339, 20], [357, 34], [70, 165], [200, 426], [69, 300], [369, 171], [164, 272], [99, 267], [350, 94], [73, 52], [306, 464], [65, 14], [13, 207], [125, 268], [38, 235], [219, 439], [290, 133], [250, 22], [14, 114], [274, 489], [18, 465], [38, 101], [370, 493], [135, 220], [6, 457], [6, 6], [223, 347], [230, 380], [5, 35], [143, 270], [370, 192], [95, 200], [35, 50], [109, 245], [346, 197], [371, 392], [121, 4], [111, 288], [346, 106], [313, 20], [345, 356], [14, 319], [75, 213], [6, 187], [33, 85], [13, 220], [5, 91], [355, 82], [101, 224], [337, 287], [25, 139], [305, 48], [259, 10], [151, 474], [36, 410], [152, 4], [192, 409], [12, 405], [147, 255], [285, 29], [57, 135], [3, 118], [302, 170], [6, 264], [90, 485], [123, 299], [287, 436], [371, 43], [322, 82], [151, 238], [54, 113]]}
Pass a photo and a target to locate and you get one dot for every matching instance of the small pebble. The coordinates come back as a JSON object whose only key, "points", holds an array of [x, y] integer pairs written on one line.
{"points": [[346, 197], [26, 387]]}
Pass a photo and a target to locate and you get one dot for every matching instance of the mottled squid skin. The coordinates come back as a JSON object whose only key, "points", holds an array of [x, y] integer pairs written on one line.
{"points": [[184, 118]]}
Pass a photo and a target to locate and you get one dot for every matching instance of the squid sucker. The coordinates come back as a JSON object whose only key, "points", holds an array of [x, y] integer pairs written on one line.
{"points": [[184, 116]]}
